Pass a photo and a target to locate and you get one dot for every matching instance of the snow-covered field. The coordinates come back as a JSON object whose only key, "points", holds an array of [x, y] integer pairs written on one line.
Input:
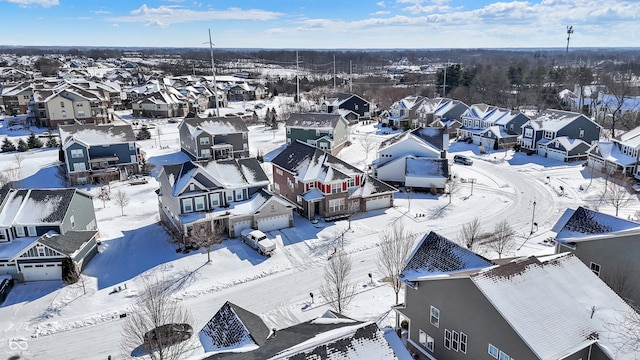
{"points": [[46, 320]]}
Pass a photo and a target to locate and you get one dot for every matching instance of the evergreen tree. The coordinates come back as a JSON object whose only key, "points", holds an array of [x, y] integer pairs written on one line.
{"points": [[52, 142], [8, 146], [144, 133], [22, 145], [33, 142]]}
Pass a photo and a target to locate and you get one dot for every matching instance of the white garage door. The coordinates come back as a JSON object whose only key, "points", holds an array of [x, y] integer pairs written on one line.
{"points": [[556, 155], [273, 223], [44, 271], [239, 226], [379, 203]]}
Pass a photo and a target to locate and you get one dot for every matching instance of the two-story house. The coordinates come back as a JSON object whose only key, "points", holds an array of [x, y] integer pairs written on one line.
{"points": [[214, 138], [402, 113], [560, 135], [608, 245], [325, 131], [491, 126], [227, 193], [41, 228], [618, 156], [459, 305], [16, 99], [322, 185], [415, 158], [166, 102], [99, 153], [351, 106], [440, 112]]}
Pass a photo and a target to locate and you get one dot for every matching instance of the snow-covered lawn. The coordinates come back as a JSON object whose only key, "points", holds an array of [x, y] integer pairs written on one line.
{"points": [[82, 321]]}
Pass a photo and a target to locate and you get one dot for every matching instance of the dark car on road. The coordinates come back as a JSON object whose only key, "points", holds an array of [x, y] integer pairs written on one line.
{"points": [[168, 334], [461, 159]]}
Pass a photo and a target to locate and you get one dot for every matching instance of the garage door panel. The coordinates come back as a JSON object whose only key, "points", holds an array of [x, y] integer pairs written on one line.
{"points": [[40, 272], [239, 226], [382, 203], [273, 223]]}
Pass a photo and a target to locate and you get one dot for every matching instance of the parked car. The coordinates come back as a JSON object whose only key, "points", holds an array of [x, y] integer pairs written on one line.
{"points": [[259, 241], [168, 334], [15, 127], [461, 159]]}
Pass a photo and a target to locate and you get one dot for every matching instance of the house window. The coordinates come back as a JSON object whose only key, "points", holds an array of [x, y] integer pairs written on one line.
{"points": [[229, 196], [276, 187], [204, 141], [503, 356], [336, 205], [20, 231], [355, 106], [215, 200], [238, 195], [31, 230], [463, 343], [311, 185], [435, 316], [81, 113], [335, 188], [64, 114], [426, 341], [244, 135], [595, 268], [422, 338], [548, 134], [447, 339], [192, 187], [581, 133], [288, 131], [132, 146], [200, 203], [455, 340], [79, 166], [205, 153], [61, 104], [288, 141], [493, 351], [528, 133], [77, 153], [351, 182], [72, 220], [245, 146], [187, 205]]}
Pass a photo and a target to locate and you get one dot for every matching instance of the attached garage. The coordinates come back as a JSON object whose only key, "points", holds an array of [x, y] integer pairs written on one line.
{"points": [[382, 202], [239, 226], [41, 271], [556, 154], [273, 223]]}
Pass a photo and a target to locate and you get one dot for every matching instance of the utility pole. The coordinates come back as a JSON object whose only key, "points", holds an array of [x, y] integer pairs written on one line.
{"points": [[569, 32], [297, 80], [350, 78], [334, 72], [444, 80], [213, 72]]}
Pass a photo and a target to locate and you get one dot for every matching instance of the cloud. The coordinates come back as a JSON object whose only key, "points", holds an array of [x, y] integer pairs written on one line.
{"points": [[102, 12], [115, 25], [381, 4], [382, 12], [164, 16], [43, 3]]}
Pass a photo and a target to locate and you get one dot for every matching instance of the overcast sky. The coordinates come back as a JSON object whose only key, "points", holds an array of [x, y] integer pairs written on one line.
{"points": [[322, 24]]}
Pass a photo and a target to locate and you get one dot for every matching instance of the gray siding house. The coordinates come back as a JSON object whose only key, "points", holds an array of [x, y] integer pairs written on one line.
{"points": [[436, 111], [491, 126], [539, 134], [328, 132], [214, 138], [99, 153], [40, 228], [459, 305], [228, 193], [608, 245]]}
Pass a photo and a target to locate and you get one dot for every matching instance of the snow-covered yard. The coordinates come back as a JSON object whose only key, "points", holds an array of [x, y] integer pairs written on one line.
{"points": [[46, 320]]}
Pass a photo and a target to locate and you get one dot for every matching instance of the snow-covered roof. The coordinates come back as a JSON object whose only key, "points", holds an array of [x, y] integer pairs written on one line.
{"points": [[585, 224], [16, 247], [435, 255], [557, 305], [630, 138], [554, 120], [215, 125], [423, 167], [94, 135], [314, 120], [609, 151], [233, 327]]}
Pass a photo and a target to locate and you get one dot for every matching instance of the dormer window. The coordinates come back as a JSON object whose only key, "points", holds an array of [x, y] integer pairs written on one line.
{"points": [[192, 187]]}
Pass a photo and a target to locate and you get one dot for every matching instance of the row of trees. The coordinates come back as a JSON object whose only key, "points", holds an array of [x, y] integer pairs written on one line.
{"points": [[32, 142]]}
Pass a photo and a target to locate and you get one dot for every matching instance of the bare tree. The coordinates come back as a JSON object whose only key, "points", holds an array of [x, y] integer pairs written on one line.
{"points": [[502, 239], [396, 244], [121, 199], [622, 280], [207, 234], [337, 288], [616, 196], [625, 329], [154, 308], [104, 195], [367, 143], [453, 186], [470, 234]]}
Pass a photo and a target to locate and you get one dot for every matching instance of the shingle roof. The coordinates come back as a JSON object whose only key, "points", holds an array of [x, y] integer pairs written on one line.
{"points": [[585, 223], [91, 134], [313, 120], [44, 206], [233, 326], [216, 125], [435, 255], [70, 242]]}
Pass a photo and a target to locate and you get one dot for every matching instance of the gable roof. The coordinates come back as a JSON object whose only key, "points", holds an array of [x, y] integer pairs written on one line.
{"points": [[214, 125], [585, 224], [35, 206], [68, 243], [233, 327], [94, 135], [432, 137], [314, 120], [311, 163], [556, 305], [554, 120], [436, 255], [609, 151]]}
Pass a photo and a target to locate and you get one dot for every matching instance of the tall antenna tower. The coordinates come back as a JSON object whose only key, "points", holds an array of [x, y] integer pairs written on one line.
{"points": [[569, 32]]}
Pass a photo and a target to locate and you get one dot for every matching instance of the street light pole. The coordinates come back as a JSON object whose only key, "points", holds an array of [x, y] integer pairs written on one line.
{"points": [[533, 216]]}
